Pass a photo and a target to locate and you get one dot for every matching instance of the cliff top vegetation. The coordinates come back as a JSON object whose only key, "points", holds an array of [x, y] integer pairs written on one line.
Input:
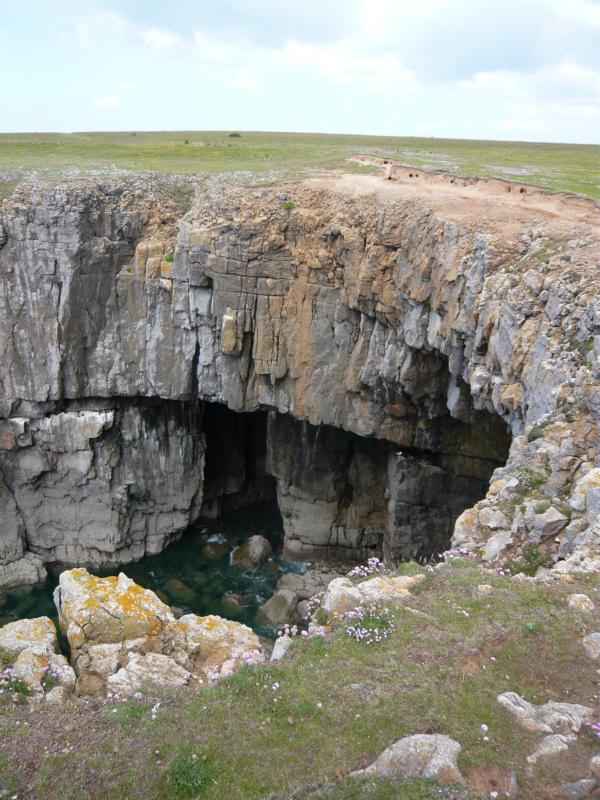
{"points": [[568, 167]]}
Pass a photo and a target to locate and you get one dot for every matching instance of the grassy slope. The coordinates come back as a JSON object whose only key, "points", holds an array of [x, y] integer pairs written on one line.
{"points": [[569, 167], [339, 704]]}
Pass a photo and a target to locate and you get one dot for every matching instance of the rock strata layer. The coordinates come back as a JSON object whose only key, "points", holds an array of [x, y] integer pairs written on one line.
{"points": [[421, 320]]}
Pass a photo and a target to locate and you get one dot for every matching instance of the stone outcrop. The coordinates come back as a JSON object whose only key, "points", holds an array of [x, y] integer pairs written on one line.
{"points": [[427, 320], [431, 756], [342, 594], [124, 637]]}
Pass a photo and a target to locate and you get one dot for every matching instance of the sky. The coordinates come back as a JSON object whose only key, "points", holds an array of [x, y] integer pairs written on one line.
{"points": [[478, 69]]}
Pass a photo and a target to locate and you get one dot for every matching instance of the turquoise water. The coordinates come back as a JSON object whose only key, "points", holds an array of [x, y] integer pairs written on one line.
{"points": [[193, 575]]}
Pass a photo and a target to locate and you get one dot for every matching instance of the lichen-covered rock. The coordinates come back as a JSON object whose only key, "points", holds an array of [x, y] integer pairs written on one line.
{"points": [[252, 553], [419, 756], [342, 594], [107, 610], [25, 633], [149, 671], [214, 646], [115, 627]]}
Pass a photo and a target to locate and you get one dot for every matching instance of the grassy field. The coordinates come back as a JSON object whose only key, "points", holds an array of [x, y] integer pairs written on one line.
{"points": [[295, 730], [573, 168]]}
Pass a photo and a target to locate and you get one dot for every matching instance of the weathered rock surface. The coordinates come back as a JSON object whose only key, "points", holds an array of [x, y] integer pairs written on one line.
{"points": [[591, 645], [419, 756], [421, 319], [24, 633], [342, 594], [149, 671], [280, 608], [116, 628], [559, 718]]}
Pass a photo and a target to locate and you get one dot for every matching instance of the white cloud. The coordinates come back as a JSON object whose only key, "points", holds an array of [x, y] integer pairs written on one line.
{"points": [[110, 101], [343, 64], [243, 83], [161, 39]]}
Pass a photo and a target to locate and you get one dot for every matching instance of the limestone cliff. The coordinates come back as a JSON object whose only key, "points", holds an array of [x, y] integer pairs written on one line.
{"points": [[414, 317]]}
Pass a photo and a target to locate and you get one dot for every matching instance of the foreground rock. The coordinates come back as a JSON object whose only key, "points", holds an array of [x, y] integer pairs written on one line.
{"points": [[342, 594], [419, 756], [25, 633], [33, 646], [115, 628]]}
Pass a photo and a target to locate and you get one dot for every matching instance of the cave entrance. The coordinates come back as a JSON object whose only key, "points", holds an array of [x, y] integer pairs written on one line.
{"points": [[346, 496], [235, 469]]}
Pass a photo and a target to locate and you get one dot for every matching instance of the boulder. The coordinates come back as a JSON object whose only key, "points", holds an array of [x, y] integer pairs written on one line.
{"points": [[17, 636], [280, 608], [591, 645], [149, 671], [419, 756], [580, 602], [306, 585], [281, 647], [107, 610], [342, 595], [254, 552], [116, 627], [550, 746], [550, 523], [564, 718], [214, 646]]}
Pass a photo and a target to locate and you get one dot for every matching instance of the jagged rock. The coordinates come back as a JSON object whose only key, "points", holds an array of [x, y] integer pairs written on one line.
{"points": [[253, 553], [495, 545], [550, 746], [25, 633], [281, 648], [580, 602], [548, 718], [310, 315], [110, 621], [280, 608], [342, 595], [216, 646], [591, 645], [550, 523], [419, 756], [150, 671]]}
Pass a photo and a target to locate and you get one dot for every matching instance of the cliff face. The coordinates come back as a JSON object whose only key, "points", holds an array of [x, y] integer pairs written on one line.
{"points": [[425, 316]]}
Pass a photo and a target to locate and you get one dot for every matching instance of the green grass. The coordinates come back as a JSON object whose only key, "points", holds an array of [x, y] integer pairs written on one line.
{"points": [[338, 705], [573, 168]]}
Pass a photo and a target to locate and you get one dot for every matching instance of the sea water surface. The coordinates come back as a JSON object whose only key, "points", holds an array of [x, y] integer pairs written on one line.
{"points": [[193, 575]]}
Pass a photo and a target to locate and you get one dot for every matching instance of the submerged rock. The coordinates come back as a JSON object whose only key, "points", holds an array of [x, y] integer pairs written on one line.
{"points": [[253, 553]]}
